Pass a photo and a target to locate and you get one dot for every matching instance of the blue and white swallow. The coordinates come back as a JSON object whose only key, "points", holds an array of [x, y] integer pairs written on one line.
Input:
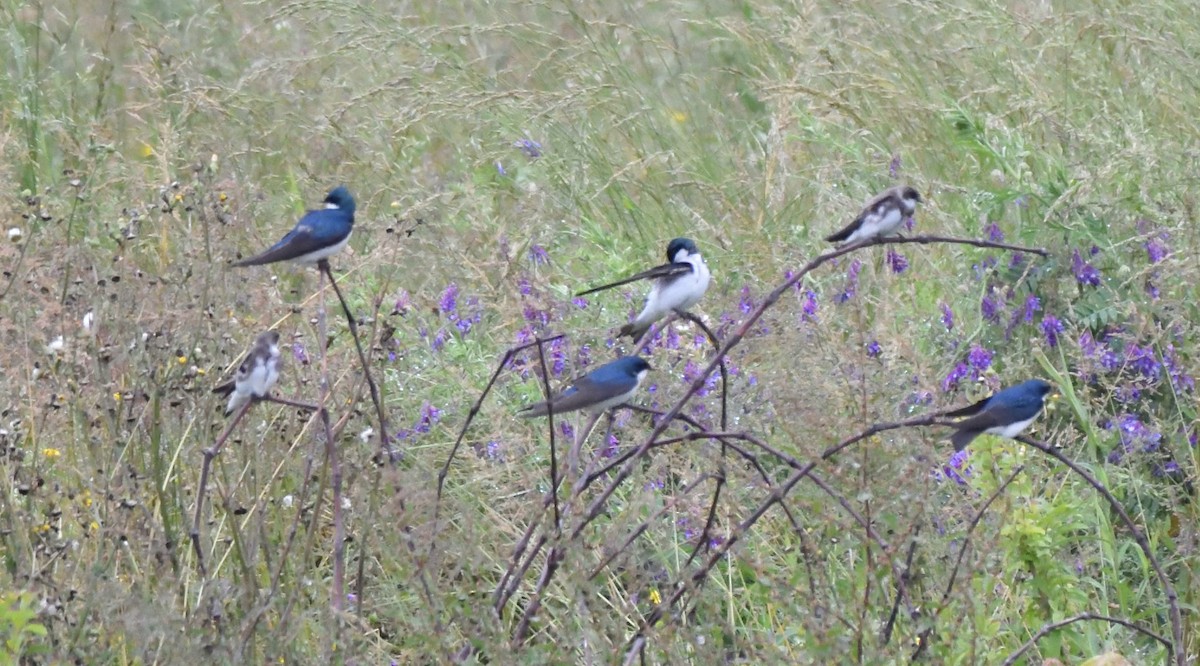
{"points": [[256, 375], [677, 285], [1006, 413], [610, 385], [883, 216], [319, 234]]}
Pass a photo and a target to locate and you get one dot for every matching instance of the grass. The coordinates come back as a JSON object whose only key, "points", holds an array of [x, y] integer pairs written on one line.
{"points": [[147, 145]]}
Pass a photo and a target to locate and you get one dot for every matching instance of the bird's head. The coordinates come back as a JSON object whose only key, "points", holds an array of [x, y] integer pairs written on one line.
{"points": [[339, 198], [678, 245]]}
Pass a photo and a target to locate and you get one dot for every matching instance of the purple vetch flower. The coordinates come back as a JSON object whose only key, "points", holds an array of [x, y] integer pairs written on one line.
{"points": [[810, 304], [979, 359], [531, 148], [538, 255], [1088, 344], [896, 261], [493, 451], [298, 353], [894, 166], [583, 358], [1016, 261], [956, 375], [1143, 361], [1032, 305], [536, 316], [579, 302], [1180, 380], [873, 349], [1152, 290], [1156, 249], [947, 317], [566, 429], [439, 339], [449, 300], [1085, 272], [1134, 436], [612, 446], [429, 416], [994, 233], [403, 303], [654, 484], [500, 169], [525, 335], [957, 469], [851, 281], [524, 286], [1051, 327], [746, 304], [558, 356], [989, 307]]}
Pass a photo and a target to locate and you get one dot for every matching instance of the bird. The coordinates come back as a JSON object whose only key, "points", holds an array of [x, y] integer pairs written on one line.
{"points": [[881, 217], [610, 385], [1006, 413], [676, 285], [319, 234], [256, 375]]}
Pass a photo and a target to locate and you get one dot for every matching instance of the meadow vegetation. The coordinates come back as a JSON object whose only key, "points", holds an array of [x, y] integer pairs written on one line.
{"points": [[508, 155]]}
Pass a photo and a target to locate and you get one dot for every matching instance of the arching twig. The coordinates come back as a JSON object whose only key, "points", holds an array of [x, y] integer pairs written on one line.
{"points": [[1055, 626]]}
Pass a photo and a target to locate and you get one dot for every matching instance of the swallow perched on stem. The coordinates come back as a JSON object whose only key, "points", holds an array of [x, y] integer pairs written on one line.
{"points": [[1006, 413], [881, 217], [677, 285], [256, 375], [319, 233], [610, 385]]}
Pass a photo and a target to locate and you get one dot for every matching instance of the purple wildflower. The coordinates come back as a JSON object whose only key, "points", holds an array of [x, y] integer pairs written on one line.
{"points": [[611, 447], [449, 299], [299, 354], [1051, 327], [1032, 305], [896, 261], [500, 169], [1179, 378], [403, 303], [956, 375], [579, 302], [564, 426], [1085, 272], [994, 233], [524, 286], [746, 304], [894, 166], [957, 469], [1152, 290], [810, 304], [979, 359], [1156, 250], [851, 281], [1143, 361], [873, 349], [1016, 261], [947, 317], [989, 307], [531, 148], [538, 255]]}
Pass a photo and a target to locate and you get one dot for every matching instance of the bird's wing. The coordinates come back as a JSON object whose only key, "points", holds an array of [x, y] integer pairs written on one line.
{"points": [[225, 388], [970, 410], [995, 415], [668, 272], [871, 208], [317, 230]]}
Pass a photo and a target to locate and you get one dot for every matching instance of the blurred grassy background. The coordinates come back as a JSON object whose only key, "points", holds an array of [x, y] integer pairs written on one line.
{"points": [[510, 154]]}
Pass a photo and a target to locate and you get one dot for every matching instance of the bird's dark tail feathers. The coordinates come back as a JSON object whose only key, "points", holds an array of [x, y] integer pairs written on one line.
{"points": [[962, 438], [633, 330]]}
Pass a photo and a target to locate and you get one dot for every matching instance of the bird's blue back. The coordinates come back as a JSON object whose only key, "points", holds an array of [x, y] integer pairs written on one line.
{"points": [[1024, 397]]}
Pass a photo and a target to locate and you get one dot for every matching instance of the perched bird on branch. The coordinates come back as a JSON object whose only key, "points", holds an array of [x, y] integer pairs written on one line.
{"points": [[319, 234], [677, 285], [256, 375], [610, 385], [881, 217], [1006, 413]]}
